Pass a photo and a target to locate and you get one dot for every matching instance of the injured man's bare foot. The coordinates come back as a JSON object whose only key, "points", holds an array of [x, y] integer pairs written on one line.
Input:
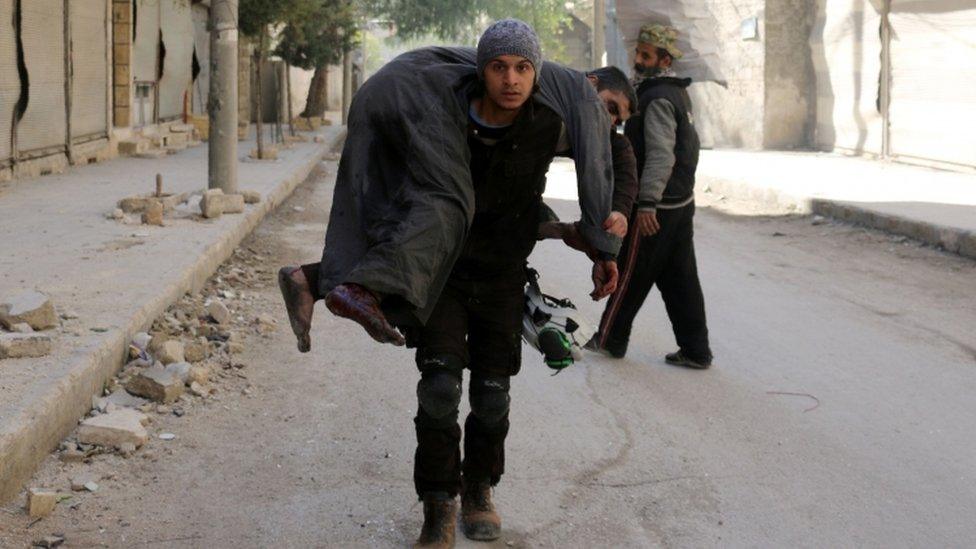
{"points": [[299, 302], [356, 303]]}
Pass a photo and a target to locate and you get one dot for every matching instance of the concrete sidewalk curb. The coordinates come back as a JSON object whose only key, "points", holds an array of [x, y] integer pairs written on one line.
{"points": [[951, 239], [28, 439]]}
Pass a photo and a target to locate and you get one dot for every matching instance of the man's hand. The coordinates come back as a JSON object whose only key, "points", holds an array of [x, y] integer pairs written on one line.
{"points": [[604, 278], [646, 222], [616, 224]]}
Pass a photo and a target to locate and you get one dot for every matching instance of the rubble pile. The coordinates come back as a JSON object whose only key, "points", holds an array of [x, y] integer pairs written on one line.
{"points": [[178, 368], [154, 208]]}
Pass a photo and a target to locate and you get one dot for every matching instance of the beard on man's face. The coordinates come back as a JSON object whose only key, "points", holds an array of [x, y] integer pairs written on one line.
{"points": [[646, 72]]}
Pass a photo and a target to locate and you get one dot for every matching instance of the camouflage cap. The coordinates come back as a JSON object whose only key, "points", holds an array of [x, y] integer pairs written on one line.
{"points": [[661, 36]]}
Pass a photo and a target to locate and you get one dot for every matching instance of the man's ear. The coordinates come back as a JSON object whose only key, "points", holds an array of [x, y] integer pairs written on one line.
{"points": [[593, 79], [666, 61]]}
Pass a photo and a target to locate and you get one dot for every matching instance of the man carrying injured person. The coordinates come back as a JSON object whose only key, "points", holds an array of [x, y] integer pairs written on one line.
{"points": [[474, 316], [300, 285]]}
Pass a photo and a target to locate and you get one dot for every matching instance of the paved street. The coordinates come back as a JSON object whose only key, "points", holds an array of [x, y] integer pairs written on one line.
{"points": [[839, 413]]}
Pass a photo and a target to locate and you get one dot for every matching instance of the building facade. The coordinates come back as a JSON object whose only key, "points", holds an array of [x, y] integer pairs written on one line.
{"points": [[82, 79], [55, 84], [880, 78]]}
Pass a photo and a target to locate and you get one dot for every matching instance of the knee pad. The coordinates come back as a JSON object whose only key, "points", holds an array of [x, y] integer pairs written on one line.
{"points": [[489, 398], [439, 393]]}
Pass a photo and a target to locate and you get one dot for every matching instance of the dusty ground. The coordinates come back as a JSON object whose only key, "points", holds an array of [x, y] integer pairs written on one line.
{"points": [[839, 412]]}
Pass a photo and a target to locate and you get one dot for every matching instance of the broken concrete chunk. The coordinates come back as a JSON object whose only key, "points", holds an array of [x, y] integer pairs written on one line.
{"points": [[24, 345], [22, 328], [133, 204], [41, 503], [251, 197], [139, 204], [153, 215], [156, 384], [199, 374], [114, 429], [219, 312], [99, 404], [127, 449], [181, 370], [199, 389], [210, 205], [79, 483], [73, 456], [31, 307], [158, 339], [120, 398], [226, 203], [170, 352], [196, 351], [50, 542], [233, 203]]}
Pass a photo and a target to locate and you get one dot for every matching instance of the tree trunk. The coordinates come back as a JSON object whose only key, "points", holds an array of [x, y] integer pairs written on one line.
{"points": [[318, 93], [258, 61]]}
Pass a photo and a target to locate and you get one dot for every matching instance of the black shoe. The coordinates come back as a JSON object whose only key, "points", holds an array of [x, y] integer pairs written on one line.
{"points": [[613, 351], [679, 358]]}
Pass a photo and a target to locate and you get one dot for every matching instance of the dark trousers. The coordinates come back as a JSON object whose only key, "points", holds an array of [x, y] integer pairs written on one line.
{"points": [[668, 260], [476, 324]]}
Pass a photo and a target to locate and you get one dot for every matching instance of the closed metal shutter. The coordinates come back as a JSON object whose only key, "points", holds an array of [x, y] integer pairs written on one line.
{"points": [[933, 80], [176, 23], [44, 124], [9, 78], [89, 61], [846, 49], [144, 50], [201, 42]]}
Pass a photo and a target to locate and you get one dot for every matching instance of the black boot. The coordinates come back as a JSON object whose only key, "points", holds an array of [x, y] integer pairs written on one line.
{"points": [[440, 521], [478, 516]]}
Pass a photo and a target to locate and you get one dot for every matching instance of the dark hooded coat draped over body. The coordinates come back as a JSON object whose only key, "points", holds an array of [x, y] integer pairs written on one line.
{"points": [[404, 199]]}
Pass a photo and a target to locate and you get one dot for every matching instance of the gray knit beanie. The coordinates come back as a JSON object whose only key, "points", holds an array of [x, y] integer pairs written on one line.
{"points": [[509, 37]]}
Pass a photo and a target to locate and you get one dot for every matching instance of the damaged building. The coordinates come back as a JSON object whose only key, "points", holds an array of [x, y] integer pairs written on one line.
{"points": [[878, 78], [86, 80]]}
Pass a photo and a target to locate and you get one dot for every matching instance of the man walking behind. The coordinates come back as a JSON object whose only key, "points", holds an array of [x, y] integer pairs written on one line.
{"points": [[659, 247]]}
